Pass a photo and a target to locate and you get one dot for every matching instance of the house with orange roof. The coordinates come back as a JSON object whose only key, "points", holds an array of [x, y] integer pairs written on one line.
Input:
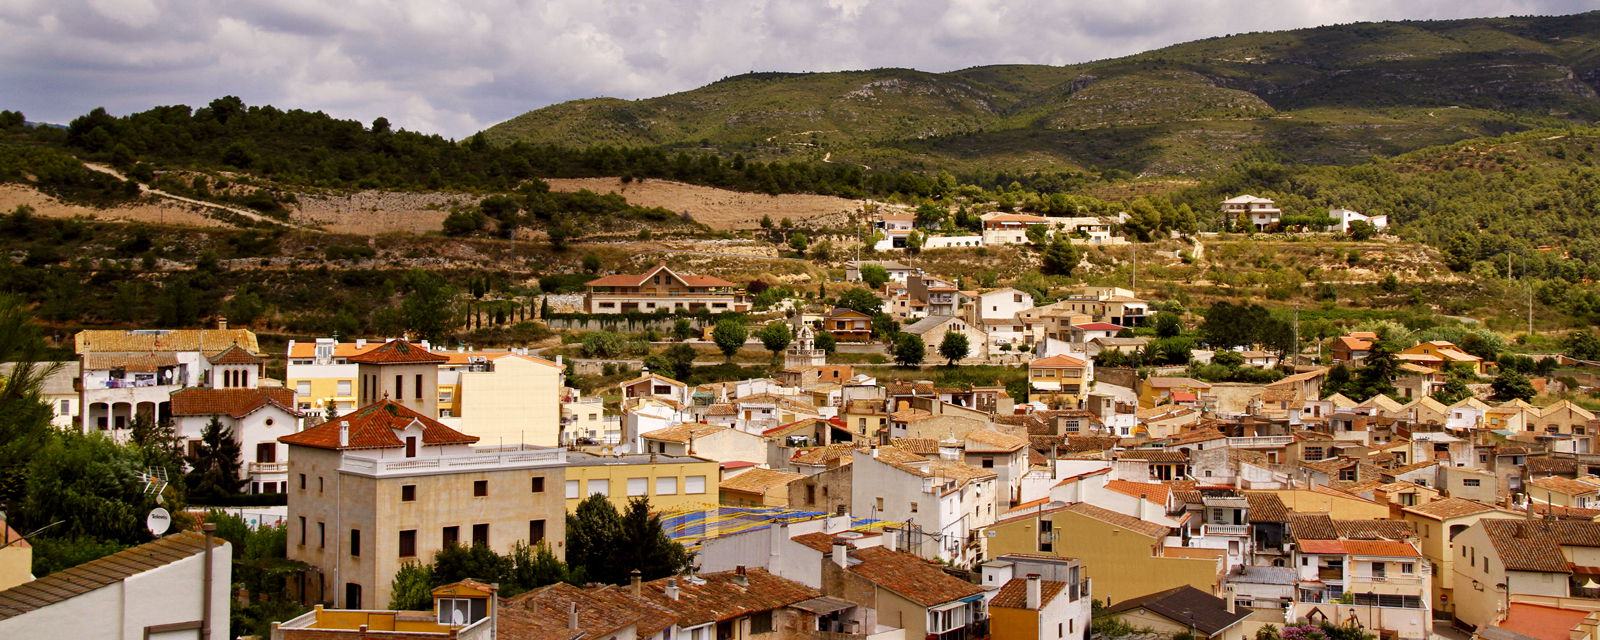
{"points": [[124, 375], [662, 289], [387, 484], [255, 417], [1440, 355], [1060, 380], [1352, 347], [1001, 228], [1520, 561], [1388, 581], [1037, 597]]}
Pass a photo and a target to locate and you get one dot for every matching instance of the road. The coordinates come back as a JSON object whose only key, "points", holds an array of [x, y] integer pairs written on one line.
{"points": [[147, 190]]}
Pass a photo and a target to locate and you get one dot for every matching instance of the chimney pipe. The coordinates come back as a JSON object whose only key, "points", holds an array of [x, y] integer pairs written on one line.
{"points": [[634, 584], [672, 589], [740, 576], [1228, 595], [841, 553], [572, 616], [1035, 592], [222, 323], [344, 433]]}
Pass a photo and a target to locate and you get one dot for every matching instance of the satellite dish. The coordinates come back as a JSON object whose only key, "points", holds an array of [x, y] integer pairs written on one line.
{"points": [[158, 521]]}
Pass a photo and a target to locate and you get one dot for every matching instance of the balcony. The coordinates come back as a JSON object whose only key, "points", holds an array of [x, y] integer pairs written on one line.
{"points": [[268, 467], [480, 459], [1398, 580], [973, 631], [1264, 442], [1330, 574], [1239, 530]]}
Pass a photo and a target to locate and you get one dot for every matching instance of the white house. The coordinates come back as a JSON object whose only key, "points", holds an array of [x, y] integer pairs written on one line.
{"points": [[1261, 213], [1342, 218], [125, 375], [945, 500], [176, 586]]}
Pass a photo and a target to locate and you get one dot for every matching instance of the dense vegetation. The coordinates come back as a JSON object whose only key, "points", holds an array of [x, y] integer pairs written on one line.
{"points": [[1334, 94]]}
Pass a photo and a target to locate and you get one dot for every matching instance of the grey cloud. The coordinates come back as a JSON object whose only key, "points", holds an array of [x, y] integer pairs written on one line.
{"points": [[458, 67]]}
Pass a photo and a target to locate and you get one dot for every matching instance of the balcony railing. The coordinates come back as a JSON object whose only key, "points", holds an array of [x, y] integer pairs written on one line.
{"points": [[510, 456], [1209, 529], [1387, 579], [1326, 574], [1270, 442], [269, 467], [973, 631]]}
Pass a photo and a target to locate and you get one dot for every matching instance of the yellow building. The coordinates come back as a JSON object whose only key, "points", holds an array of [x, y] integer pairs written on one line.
{"points": [[1124, 556], [509, 398], [1439, 355], [1437, 524], [461, 610], [865, 418], [1336, 504], [16, 558], [670, 482], [1060, 380]]}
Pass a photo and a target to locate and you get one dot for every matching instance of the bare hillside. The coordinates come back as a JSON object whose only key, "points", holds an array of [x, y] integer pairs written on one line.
{"points": [[719, 208]]}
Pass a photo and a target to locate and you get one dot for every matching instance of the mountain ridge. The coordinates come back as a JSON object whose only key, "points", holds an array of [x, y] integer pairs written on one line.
{"points": [[1339, 94]]}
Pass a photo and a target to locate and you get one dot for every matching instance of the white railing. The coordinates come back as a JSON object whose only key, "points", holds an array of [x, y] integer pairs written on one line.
{"points": [[1224, 529], [508, 457], [1260, 441], [269, 467]]}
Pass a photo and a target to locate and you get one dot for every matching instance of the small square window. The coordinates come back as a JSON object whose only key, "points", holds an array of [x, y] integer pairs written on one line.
{"points": [[480, 488], [408, 493], [537, 484]]}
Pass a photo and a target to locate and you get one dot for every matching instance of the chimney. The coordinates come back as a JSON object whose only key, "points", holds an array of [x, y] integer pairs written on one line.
{"points": [[841, 553], [361, 343], [1227, 595], [740, 577], [572, 616], [344, 433], [634, 585], [1035, 592], [222, 323], [1144, 506], [672, 589]]}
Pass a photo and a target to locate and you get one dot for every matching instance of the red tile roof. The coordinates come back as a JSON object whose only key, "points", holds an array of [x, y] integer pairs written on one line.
{"points": [[399, 352], [1014, 595], [911, 577], [637, 280], [1098, 326], [1057, 361], [374, 426], [720, 596], [234, 403], [235, 355], [1544, 623]]}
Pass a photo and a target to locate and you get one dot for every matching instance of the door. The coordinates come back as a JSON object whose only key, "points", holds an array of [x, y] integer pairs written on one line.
{"points": [[352, 595]]}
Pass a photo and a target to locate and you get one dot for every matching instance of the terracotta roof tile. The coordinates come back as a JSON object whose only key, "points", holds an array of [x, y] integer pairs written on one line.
{"points": [[234, 403], [96, 574], [1152, 492], [399, 352], [1186, 605], [235, 354], [759, 481], [1564, 485], [541, 614], [1536, 545], [982, 440], [374, 426], [1014, 594], [681, 433], [909, 576], [201, 340], [1450, 508], [720, 597], [1266, 507], [1131, 523]]}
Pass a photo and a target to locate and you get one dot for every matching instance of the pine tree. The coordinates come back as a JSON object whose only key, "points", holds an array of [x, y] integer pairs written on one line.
{"points": [[214, 469]]}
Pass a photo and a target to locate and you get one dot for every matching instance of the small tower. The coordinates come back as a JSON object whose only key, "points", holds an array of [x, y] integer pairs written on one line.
{"points": [[803, 352]]}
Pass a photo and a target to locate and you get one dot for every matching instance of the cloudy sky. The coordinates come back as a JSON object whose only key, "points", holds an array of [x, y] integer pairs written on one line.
{"points": [[454, 68]]}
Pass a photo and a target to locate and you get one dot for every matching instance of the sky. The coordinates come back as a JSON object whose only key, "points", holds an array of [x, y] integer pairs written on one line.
{"points": [[454, 68]]}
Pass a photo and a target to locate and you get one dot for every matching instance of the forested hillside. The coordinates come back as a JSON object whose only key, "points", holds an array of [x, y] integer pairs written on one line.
{"points": [[1338, 94]]}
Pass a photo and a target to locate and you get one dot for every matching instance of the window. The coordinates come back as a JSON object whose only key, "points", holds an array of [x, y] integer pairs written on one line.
{"points": [[666, 486], [913, 507], [457, 612], [302, 531], [694, 485], [988, 462], [411, 446], [1470, 482], [319, 484], [480, 534], [355, 543], [638, 487], [600, 487], [352, 595], [1407, 568], [399, 387], [408, 543], [419, 386], [572, 489], [480, 488], [1047, 536], [322, 535], [536, 484], [451, 537], [879, 503], [761, 622], [302, 388], [1379, 569], [535, 531], [408, 493], [302, 482], [344, 388]]}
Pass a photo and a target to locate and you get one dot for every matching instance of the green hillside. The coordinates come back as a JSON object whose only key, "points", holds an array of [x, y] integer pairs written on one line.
{"points": [[1339, 94]]}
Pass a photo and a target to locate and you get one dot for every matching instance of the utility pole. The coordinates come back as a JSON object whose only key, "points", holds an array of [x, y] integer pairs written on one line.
{"points": [[1295, 358], [1134, 286]]}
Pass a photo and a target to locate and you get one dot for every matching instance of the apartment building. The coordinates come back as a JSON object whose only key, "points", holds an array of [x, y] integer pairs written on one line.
{"points": [[388, 484], [128, 374], [1259, 213], [668, 482]]}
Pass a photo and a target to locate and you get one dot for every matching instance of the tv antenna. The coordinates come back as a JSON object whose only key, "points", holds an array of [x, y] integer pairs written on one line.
{"points": [[155, 481]]}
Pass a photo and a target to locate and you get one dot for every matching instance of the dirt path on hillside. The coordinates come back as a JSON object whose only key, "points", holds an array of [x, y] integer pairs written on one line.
{"points": [[720, 209]]}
